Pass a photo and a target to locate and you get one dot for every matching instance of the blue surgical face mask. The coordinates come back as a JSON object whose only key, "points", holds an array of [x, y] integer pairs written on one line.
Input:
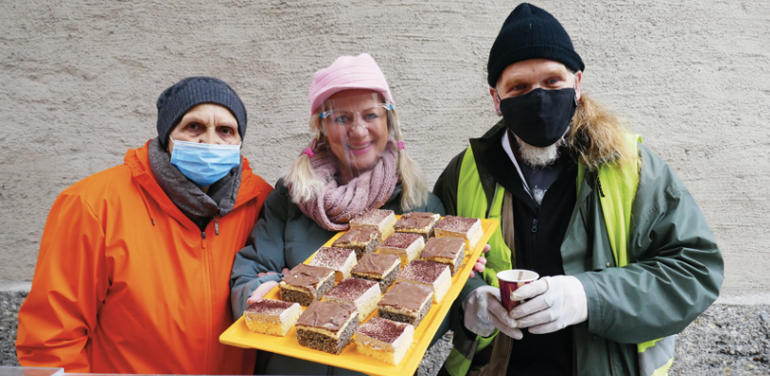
{"points": [[204, 164]]}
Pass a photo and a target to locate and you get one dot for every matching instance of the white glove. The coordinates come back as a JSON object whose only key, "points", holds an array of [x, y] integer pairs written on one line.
{"points": [[554, 303], [484, 313]]}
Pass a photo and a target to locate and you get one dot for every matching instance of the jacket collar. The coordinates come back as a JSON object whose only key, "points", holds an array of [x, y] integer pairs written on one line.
{"points": [[495, 166], [138, 162]]}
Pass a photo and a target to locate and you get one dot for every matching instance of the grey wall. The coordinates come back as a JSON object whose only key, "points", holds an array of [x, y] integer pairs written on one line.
{"points": [[79, 79]]}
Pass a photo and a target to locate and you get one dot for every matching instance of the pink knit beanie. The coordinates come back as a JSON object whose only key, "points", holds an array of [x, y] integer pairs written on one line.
{"points": [[347, 72]]}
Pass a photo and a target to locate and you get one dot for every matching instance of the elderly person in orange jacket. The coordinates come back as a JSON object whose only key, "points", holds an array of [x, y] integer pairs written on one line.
{"points": [[134, 265]]}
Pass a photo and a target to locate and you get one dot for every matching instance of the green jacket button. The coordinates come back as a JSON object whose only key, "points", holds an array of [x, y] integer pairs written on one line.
{"points": [[608, 265]]}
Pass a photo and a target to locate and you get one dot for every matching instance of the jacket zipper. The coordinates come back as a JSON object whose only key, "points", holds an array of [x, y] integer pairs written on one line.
{"points": [[207, 274], [533, 250]]}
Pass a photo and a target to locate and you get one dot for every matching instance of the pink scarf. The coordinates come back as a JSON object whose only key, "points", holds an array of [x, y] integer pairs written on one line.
{"points": [[333, 208]]}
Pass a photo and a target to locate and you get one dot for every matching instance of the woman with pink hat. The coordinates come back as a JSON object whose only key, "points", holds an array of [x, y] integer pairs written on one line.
{"points": [[356, 161]]}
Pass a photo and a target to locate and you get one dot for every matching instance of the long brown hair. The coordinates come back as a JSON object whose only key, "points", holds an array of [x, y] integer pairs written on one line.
{"points": [[598, 135]]}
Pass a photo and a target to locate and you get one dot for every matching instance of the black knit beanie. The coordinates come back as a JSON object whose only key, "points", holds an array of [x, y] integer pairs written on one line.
{"points": [[530, 33], [175, 101]]}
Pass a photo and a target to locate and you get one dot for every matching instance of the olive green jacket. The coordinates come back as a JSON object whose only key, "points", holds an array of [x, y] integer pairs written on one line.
{"points": [[675, 270]]}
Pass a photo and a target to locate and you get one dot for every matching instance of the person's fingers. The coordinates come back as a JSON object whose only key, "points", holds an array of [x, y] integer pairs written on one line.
{"points": [[482, 260], [261, 291], [264, 274], [530, 290], [486, 248], [479, 267], [498, 310], [535, 319], [516, 334], [529, 307], [472, 273], [548, 327], [285, 271], [512, 332]]}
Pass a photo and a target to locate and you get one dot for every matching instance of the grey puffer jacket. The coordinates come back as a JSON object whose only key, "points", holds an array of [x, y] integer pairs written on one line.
{"points": [[284, 238]]}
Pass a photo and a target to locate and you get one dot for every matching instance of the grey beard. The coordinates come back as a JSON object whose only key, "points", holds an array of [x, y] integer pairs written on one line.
{"points": [[537, 157]]}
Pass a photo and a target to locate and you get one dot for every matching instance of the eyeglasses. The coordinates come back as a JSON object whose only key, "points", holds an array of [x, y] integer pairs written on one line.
{"points": [[348, 118]]}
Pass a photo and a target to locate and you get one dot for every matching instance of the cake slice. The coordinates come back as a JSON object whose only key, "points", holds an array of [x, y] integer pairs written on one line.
{"points": [[327, 326], [429, 274], [362, 293], [417, 223], [406, 302], [448, 251], [404, 245], [384, 339], [305, 284], [468, 229], [378, 267], [341, 260], [363, 240], [273, 317], [381, 220]]}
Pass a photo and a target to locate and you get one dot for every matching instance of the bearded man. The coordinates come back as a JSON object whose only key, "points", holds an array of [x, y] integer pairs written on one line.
{"points": [[625, 255]]}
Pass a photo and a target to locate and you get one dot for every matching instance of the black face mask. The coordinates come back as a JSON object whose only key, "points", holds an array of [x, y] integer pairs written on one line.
{"points": [[541, 116]]}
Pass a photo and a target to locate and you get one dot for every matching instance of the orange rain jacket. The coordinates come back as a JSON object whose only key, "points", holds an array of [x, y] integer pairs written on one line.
{"points": [[126, 283]]}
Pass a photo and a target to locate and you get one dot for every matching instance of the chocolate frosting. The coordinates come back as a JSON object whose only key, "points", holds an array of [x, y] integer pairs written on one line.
{"points": [[376, 263], [406, 296], [423, 271], [415, 221], [360, 235], [383, 329], [327, 315], [269, 307], [447, 247], [307, 276], [456, 224], [401, 240], [350, 288], [331, 257], [371, 217]]}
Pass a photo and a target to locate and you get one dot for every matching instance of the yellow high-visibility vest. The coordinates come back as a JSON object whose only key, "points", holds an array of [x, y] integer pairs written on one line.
{"points": [[618, 188]]}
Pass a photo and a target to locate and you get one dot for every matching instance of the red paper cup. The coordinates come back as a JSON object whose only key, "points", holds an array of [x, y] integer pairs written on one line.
{"points": [[510, 281]]}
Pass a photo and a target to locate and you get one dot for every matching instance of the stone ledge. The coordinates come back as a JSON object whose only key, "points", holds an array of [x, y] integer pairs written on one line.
{"points": [[13, 286]]}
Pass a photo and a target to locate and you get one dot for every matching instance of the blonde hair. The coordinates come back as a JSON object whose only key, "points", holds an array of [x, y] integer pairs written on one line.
{"points": [[598, 135], [305, 184]]}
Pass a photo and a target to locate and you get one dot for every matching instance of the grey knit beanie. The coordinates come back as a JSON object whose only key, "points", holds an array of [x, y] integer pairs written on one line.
{"points": [[175, 101]]}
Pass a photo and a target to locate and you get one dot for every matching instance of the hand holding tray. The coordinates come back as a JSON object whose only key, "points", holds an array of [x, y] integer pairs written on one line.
{"points": [[239, 335]]}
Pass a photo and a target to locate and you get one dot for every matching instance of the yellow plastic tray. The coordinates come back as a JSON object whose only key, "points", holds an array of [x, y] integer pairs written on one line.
{"points": [[239, 335]]}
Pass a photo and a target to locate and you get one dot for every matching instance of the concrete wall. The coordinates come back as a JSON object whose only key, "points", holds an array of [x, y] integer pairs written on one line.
{"points": [[79, 80]]}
